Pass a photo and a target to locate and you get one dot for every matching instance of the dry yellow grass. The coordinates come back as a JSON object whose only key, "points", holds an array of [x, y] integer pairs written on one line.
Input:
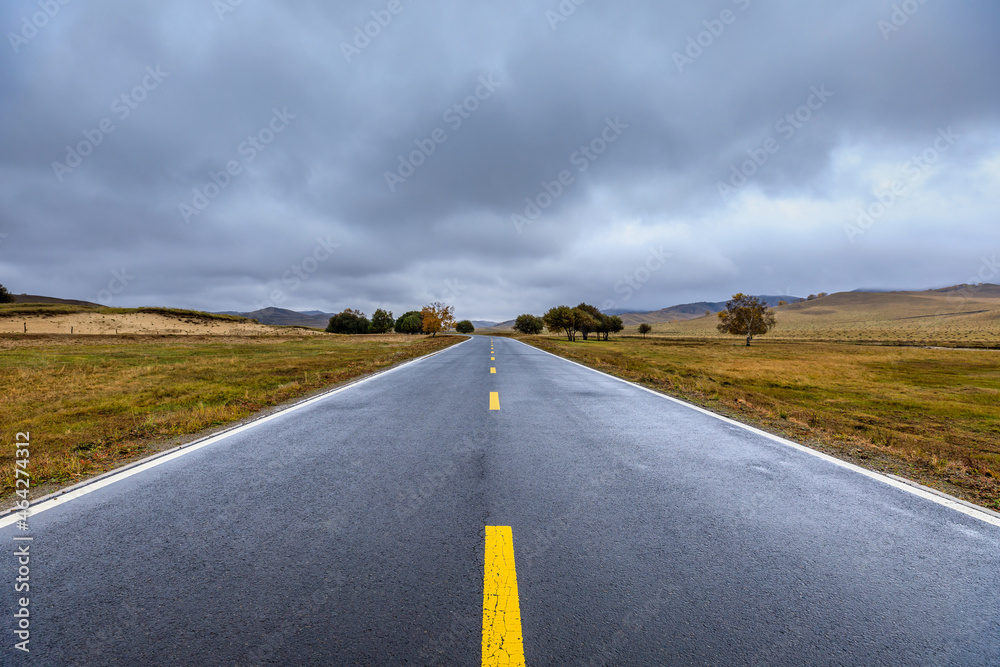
{"points": [[81, 320]]}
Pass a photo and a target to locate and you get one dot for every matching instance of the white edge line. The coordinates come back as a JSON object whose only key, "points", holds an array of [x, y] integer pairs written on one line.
{"points": [[62, 497], [933, 495]]}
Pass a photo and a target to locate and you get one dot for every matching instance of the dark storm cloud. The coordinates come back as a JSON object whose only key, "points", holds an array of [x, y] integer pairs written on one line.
{"points": [[249, 139]]}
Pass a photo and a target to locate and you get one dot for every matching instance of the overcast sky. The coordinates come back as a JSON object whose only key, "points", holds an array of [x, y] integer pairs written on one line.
{"points": [[501, 157]]}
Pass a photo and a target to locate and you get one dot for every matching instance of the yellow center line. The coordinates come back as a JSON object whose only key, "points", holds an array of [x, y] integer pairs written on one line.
{"points": [[493, 369], [493, 358], [502, 639], [494, 400]]}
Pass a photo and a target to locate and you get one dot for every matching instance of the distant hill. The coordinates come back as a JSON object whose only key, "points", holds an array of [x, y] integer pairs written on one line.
{"points": [[624, 311], [483, 324], [282, 317], [34, 298], [690, 311], [499, 326]]}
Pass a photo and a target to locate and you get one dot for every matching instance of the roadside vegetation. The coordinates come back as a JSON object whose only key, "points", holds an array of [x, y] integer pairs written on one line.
{"points": [[92, 403], [583, 320], [431, 319]]}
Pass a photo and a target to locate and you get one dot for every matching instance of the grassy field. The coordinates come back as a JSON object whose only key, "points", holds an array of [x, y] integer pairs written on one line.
{"points": [[92, 403], [926, 414]]}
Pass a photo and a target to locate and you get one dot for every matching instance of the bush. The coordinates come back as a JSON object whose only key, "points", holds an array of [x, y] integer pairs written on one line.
{"points": [[382, 321], [528, 324], [437, 317], [410, 323], [349, 322], [464, 327]]}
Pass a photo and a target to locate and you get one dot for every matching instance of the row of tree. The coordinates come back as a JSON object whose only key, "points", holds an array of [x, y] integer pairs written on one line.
{"points": [[583, 320], [744, 315], [431, 319]]}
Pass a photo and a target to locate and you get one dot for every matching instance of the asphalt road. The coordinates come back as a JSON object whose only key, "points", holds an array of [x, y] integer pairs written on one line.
{"points": [[351, 531]]}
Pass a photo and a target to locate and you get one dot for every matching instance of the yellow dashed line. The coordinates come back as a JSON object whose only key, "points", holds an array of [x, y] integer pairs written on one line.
{"points": [[493, 370], [494, 400], [493, 358], [502, 640]]}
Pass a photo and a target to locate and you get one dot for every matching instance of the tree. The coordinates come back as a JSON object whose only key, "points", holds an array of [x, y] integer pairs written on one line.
{"points": [[528, 324], [585, 322], [409, 323], [5, 296], [746, 315], [782, 303], [464, 327], [437, 317], [349, 322], [382, 321], [609, 324], [568, 321], [644, 329], [614, 325], [591, 324], [561, 320]]}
